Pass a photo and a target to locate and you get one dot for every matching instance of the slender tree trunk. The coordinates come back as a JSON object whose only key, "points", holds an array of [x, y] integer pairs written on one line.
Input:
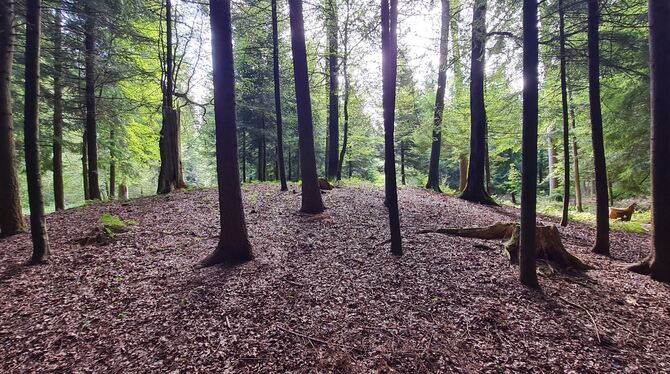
{"points": [[602, 245], [84, 165], [402, 164], [290, 166], [527, 238], [463, 171], [575, 155], [657, 264], [553, 161], [11, 215], [566, 118], [311, 194], [351, 169], [112, 164], [345, 71], [475, 189], [38, 226], [171, 174], [333, 94], [91, 130], [59, 198], [262, 164], [278, 112], [610, 189], [234, 246], [244, 156], [389, 16], [434, 168]]}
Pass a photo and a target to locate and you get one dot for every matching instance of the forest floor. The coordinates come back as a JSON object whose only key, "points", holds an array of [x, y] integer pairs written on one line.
{"points": [[322, 295]]}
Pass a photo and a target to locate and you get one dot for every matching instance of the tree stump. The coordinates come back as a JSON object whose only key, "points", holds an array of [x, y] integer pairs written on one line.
{"points": [[324, 184], [549, 245]]}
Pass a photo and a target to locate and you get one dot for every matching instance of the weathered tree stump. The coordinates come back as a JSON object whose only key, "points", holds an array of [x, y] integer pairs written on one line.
{"points": [[324, 184], [549, 245]]}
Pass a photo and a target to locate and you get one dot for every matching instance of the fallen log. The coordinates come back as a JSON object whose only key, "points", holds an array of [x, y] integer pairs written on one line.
{"points": [[549, 245]]}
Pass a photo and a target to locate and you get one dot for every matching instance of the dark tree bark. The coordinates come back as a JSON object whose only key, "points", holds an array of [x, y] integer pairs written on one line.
{"points": [[311, 194], [278, 113], [657, 264], [171, 176], [389, 16], [91, 126], [59, 198], [244, 156], [234, 246], [38, 226], [475, 189], [290, 166], [527, 238], [11, 215], [566, 118], [84, 165], [112, 163], [434, 167], [403, 180], [602, 245], [333, 90]]}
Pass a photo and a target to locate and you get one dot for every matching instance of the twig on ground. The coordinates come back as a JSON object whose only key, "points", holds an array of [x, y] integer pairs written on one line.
{"points": [[593, 320]]}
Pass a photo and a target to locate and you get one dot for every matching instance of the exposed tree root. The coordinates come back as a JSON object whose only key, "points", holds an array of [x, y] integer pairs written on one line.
{"points": [[549, 245], [652, 267]]}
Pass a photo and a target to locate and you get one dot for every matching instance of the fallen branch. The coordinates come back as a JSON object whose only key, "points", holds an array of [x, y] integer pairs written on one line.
{"points": [[549, 246], [593, 320], [310, 338]]}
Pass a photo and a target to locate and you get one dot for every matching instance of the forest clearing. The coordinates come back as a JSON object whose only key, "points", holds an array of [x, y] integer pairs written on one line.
{"points": [[322, 294]]}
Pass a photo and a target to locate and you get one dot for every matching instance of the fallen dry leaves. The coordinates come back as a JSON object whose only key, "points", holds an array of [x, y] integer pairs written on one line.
{"points": [[323, 295]]}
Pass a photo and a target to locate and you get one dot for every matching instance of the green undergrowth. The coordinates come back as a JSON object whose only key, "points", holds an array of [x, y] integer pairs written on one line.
{"points": [[639, 223]]}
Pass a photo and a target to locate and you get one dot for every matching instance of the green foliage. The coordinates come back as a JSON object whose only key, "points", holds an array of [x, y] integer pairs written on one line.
{"points": [[112, 225]]}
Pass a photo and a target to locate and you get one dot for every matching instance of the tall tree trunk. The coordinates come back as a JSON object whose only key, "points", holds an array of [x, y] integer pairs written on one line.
{"points": [[657, 264], [11, 215], [610, 189], [332, 29], [290, 166], [278, 113], [112, 163], [311, 194], [171, 175], [566, 118], [602, 245], [527, 238], [575, 154], [553, 161], [244, 156], [59, 198], [434, 168], [38, 226], [475, 189], [389, 16], [345, 72], [84, 165], [403, 180], [234, 246], [462, 171], [91, 130]]}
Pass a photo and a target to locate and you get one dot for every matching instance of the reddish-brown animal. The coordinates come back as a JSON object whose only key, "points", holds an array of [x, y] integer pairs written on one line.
{"points": [[623, 214]]}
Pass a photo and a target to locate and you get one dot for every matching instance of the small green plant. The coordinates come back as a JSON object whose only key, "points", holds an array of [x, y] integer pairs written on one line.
{"points": [[112, 225]]}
